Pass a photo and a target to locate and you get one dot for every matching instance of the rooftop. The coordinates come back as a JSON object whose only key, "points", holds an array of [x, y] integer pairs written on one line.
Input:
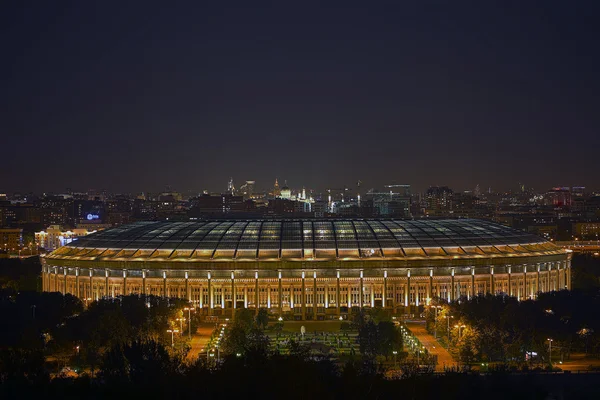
{"points": [[304, 239]]}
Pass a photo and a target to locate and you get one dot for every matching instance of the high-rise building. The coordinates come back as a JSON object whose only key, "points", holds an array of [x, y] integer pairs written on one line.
{"points": [[559, 197], [276, 189], [247, 189], [394, 200], [439, 200]]}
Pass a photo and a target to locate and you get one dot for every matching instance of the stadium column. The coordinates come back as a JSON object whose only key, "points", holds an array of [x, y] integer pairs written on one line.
{"points": [[361, 301], [77, 282], [280, 294], [337, 294], [106, 282], [510, 293], [537, 285], [210, 296], [472, 282], [384, 297], [557, 281], [303, 298], [124, 282], [233, 296], [165, 284], [256, 294], [144, 282], [187, 286], [406, 292], [548, 277], [314, 296], [492, 288], [91, 283], [453, 291], [530, 295], [430, 286], [372, 290]]}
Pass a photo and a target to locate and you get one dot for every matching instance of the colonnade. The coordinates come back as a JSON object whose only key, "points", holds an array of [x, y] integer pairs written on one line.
{"points": [[312, 293]]}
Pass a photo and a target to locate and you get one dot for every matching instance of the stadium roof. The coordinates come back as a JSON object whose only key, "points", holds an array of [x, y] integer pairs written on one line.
{"points": [[303, 239]]}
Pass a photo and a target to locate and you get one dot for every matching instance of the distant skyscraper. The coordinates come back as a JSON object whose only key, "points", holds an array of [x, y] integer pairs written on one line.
{"points": [[230, 187], [247, 189], [439, 200]]}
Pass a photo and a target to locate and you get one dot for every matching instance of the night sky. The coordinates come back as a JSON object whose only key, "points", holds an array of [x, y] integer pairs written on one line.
{"points": [[133, 97]]}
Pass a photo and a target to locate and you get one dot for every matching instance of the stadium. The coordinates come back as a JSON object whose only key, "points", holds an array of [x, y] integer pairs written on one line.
{"points": [[308, 269]]}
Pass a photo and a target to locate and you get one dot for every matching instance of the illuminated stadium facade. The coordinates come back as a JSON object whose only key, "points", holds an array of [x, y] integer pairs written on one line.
{"points": [[308, 269]]}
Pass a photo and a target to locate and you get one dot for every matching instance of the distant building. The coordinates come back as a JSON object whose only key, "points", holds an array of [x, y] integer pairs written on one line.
{"points": [[286, 192], [247, 189], [559, 197], [439, 200], [393, 201], [587, 230], [276, 189], [222, 204], [56, 236], [11, 239]]}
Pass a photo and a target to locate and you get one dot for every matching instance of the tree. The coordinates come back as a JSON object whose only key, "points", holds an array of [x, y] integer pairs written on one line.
{"points": [[244, 318], [262, 318], [389, 338], [368, 339], [235, 340]]}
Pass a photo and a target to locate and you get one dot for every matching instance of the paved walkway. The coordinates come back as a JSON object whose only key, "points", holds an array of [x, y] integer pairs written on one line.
{"points": [[433, 347], [199, 340]]}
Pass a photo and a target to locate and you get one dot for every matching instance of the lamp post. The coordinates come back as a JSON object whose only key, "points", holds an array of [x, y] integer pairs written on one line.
{"points": [[448, 320], [550, 350], [189, 310], [435, 321], [395, 360], [459, 326], [180, 324], [172, 332]]}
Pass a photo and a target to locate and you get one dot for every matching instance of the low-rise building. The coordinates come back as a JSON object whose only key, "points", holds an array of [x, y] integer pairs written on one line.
{"points": [[55, 236]]}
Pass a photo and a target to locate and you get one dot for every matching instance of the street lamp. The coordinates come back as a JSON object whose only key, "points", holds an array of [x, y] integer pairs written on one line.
{"points": [[172, 332], [395, 361], [550, 350], [459, 326], [448, 319], [189, 310], [435, 321]]}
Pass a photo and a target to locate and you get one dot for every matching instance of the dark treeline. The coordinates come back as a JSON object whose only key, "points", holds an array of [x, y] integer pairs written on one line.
{"points": [[142, 369]]}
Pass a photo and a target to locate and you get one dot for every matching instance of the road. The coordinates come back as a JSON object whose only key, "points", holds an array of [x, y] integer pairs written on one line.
{"points": [[444, 359], [200, 339], [578, 362]]}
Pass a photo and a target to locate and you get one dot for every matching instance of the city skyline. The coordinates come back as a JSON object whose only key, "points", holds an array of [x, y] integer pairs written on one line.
{"points": [[132, 99], [266, 188]]}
